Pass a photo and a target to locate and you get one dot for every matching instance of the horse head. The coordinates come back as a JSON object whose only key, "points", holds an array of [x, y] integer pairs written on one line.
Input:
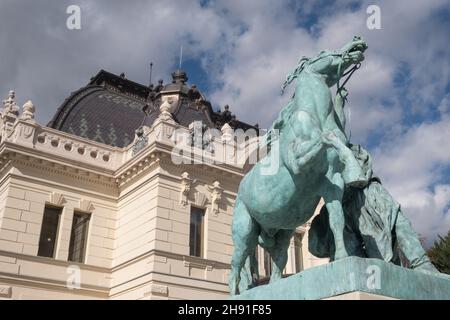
{"points": [[331, 64]]}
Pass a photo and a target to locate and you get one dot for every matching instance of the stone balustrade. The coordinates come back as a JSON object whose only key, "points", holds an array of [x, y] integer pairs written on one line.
{"points": [[188, 145]]}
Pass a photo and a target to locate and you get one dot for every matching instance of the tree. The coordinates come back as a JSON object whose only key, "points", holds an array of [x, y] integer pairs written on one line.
{"points": [[440, 254]]}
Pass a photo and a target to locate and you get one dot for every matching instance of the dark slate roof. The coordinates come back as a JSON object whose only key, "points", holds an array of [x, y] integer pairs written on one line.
{"points": [[110, 108]]}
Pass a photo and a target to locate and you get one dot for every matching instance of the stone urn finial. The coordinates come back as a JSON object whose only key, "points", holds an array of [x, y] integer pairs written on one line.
{"points": [[227, 132], [28, 110]]}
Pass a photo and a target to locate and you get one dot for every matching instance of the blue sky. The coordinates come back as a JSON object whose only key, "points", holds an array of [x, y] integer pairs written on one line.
{"points": [[238, 53]]}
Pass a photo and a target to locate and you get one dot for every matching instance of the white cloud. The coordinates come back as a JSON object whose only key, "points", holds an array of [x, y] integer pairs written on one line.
{"points": [[412, 166]]}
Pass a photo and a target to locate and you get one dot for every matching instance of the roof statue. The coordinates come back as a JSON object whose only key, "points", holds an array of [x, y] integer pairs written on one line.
{"points": [[10, 107], [315, 160]]}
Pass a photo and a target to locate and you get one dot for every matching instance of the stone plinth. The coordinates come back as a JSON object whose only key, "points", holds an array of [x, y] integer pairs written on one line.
{"points": [[355, 278]]}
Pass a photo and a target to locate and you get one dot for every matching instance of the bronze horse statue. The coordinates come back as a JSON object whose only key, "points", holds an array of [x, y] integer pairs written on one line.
{"points": [[314, 162]]}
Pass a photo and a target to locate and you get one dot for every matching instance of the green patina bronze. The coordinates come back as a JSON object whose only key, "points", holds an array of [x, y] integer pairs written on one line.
{"points": [[314, 163], [354, 275], [375, 226], [316, 160]]}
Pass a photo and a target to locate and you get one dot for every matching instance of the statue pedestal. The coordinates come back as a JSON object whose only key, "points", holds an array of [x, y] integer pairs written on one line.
{"points": [[355, 279]]}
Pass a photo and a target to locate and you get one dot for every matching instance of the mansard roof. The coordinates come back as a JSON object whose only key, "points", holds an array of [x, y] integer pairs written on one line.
{"points": [[110, 108]]}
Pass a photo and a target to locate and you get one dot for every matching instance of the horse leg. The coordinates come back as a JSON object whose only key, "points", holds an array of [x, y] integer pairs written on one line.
{"points": [[249, 273], [333, 202], [245, 239], [279, 253], [352, 174], [254, 269]]}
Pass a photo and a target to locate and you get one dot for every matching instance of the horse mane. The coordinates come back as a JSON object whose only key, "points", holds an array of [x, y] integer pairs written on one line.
{"points": [[278, 124], [294, 74], [287, 110]]}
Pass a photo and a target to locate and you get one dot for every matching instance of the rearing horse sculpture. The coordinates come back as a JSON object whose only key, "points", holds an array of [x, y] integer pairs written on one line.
{"points": [[314, 163]]}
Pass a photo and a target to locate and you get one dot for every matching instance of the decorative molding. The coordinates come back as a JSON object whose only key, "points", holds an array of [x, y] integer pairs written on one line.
{"points": [[201, 137], [186, 183], [57, 199], [125, 93], [75, 148], [53, 262], [164, 131], [27, 130], [138, 168], [10, 107], [85, 205], [227, 133], [60, 147], [173, 100], [186, 260], [9, 115], [198, 265], [60, 153], [165, 110], [200, 199], [140, 141], [206, 170], [5, 291], [63, 170], [216, 195], [5, 161], [159, 289]]}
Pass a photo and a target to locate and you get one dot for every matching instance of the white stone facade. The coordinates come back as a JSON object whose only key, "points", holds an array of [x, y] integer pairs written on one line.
{"points": [[139, 206]]}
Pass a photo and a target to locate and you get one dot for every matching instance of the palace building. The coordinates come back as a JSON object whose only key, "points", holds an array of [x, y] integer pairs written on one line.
{"points": [[95, 205]]}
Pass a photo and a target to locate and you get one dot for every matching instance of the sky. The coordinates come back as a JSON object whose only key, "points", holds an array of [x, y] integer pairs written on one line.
{"points": [[239, 52]]}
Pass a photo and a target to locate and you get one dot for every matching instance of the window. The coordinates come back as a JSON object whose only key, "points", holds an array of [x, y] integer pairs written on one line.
{"points": [[49, 231], [78, 237], [298, 253], [196, 232]]}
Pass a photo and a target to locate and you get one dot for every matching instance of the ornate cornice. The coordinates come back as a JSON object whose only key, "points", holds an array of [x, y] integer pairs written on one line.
{"points": [[53, 167], [61, 153], [137, 169]]}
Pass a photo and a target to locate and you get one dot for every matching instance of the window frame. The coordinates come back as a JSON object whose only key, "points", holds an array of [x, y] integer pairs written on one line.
{"points": [[86, 235], [57, 232], [202, 231]]}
